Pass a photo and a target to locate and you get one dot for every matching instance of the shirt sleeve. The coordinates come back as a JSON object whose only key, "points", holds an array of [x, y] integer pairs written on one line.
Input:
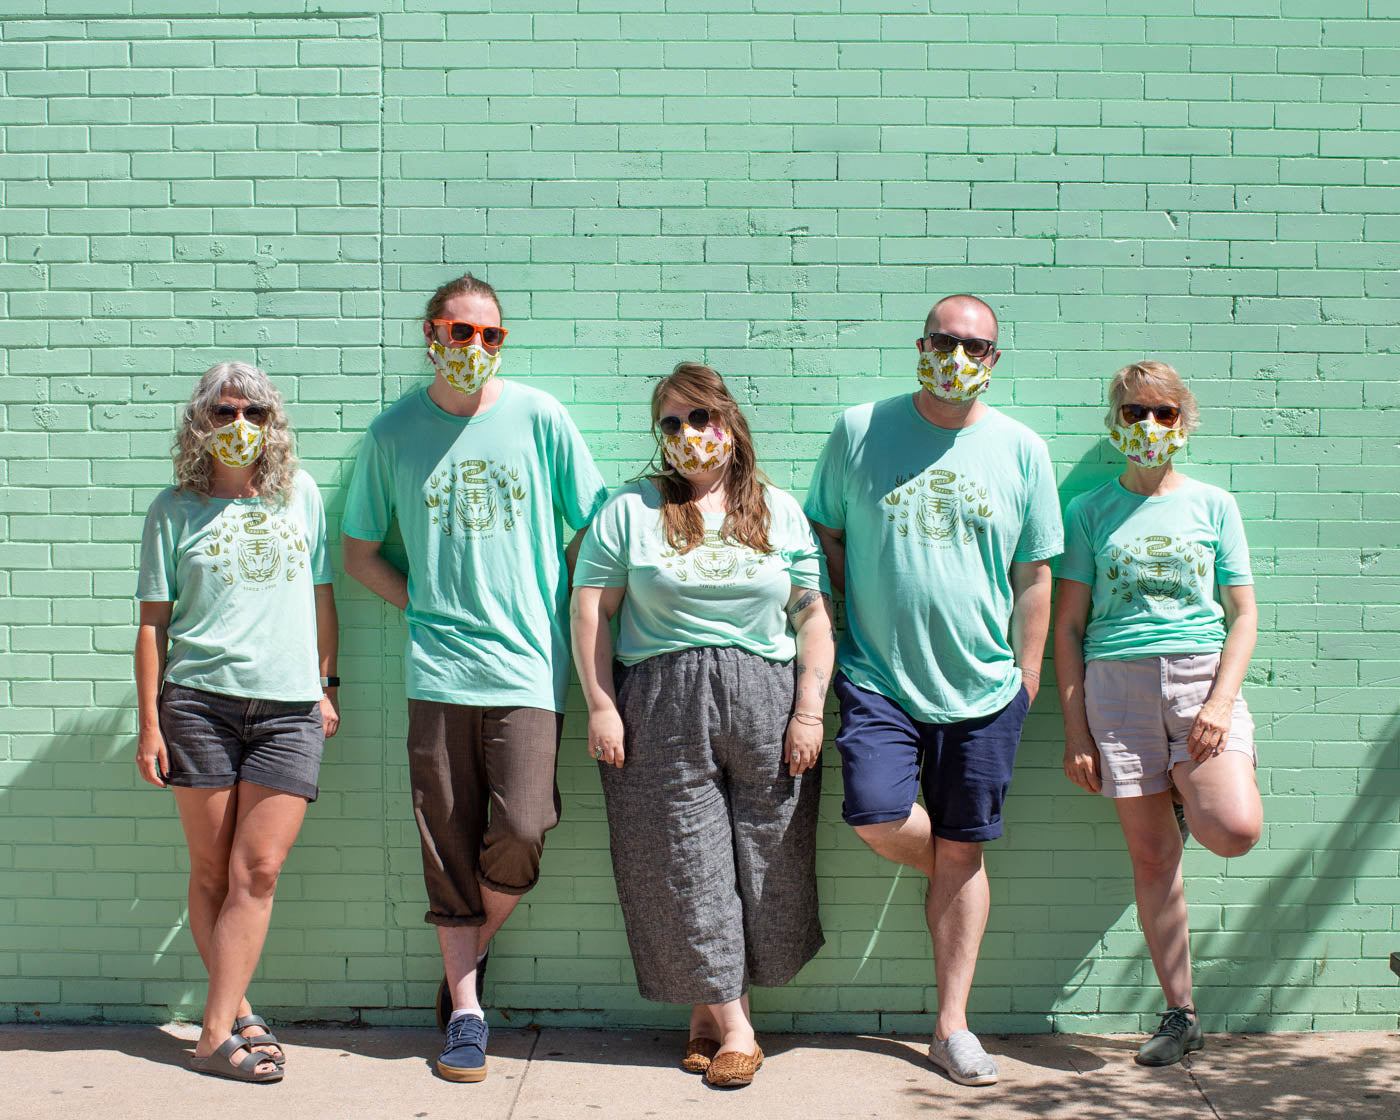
{"points": [[1078, 561], [805, 559], [315, 511], [155, 582], [1232, 554], [826, 497], [369, 504], [1042, 534], [602, 559], [579, 490]]}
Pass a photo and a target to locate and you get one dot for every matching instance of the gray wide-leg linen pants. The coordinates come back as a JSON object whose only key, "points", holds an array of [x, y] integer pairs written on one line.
{"points": [[713, 842]]}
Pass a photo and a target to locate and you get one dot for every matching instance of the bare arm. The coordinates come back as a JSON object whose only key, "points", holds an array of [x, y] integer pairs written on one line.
{"points": [[571, 553], [327, 646], [833, 542], [365, 565], [1071, 618], [590, 610], [1030, 618], [1211, 728], [152, 641], [810, 612]]}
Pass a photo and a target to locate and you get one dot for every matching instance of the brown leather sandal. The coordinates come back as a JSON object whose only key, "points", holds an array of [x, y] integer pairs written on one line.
{"points": [[698, 1052], [729, 1069]]}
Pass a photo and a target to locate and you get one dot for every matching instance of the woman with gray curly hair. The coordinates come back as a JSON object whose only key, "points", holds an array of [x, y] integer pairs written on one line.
{"points": [[1154, 629], [235, 681]]}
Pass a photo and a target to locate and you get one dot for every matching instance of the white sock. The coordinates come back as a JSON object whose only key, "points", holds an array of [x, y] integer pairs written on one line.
{"points": [[469, 1011]]}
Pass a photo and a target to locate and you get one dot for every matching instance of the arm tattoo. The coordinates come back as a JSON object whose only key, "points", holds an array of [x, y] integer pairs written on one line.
{"points": [[805, 601]]}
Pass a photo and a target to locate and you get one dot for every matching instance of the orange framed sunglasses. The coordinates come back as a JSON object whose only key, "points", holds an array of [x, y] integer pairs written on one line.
{"points": [[461, 331]]}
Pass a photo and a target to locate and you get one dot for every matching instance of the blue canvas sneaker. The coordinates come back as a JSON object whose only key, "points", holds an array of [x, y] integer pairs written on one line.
{"points": [[464, 1056]]}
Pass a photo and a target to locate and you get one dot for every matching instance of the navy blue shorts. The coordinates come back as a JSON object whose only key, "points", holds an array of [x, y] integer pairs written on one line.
{"points": [[966, 766]]}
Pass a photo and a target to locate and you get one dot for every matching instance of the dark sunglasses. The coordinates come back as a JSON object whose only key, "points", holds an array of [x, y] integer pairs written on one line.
{"points": [[698, 419], [1165, 414], [947, 343], [459, 331], [254, 414]]}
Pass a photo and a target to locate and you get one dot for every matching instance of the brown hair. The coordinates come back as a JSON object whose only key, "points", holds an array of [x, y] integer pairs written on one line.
{"points": [[464, 285], [1159, 376], [747, 517]]}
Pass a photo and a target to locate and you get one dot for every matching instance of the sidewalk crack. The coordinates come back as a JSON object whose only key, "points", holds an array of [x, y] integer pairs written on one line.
{"points": [[1201, 1089], [529, 1061]]}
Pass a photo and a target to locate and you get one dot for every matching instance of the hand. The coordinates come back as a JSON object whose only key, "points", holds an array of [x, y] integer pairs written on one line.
{"points": [[802, 746], [1082, 763], [605, 737], [152, 757], [330, 711], [1211, 729]]}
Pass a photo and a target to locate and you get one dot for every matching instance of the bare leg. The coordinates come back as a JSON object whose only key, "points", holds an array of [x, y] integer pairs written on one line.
{"points": [[956, 909], [1154, 845], [733, 1024], [1221, 799], [909, 841], [268, 821], [463, 946]]}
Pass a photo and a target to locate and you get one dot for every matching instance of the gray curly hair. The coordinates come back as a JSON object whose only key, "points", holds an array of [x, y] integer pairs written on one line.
{"points": [[194, 462], [1152, 375]]}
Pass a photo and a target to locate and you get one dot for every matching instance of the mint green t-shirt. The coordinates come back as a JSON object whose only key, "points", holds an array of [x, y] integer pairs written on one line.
{"points": [[933, 519], [239, 573], [718, 594], [1153, 564], [478, 501]]}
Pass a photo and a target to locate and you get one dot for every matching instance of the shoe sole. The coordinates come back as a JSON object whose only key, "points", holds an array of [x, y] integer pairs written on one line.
{"points": [[1189, 1049], [975, 1080], [461, 1076]]}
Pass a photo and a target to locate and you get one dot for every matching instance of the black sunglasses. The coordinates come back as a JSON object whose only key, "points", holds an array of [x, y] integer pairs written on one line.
{"points": [[1165, 414], [254, 414], [947, 343], [698, 419]]}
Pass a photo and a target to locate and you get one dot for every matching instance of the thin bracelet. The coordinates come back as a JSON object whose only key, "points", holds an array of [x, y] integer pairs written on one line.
{"points": [[1030, 672], [811, 719]]}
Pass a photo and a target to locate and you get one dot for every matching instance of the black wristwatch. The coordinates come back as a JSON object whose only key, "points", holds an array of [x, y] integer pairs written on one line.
{"points": [[330, 682]]}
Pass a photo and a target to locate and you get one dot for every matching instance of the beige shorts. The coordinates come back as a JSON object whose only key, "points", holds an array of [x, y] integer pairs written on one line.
{"points": [[1140, 713]]}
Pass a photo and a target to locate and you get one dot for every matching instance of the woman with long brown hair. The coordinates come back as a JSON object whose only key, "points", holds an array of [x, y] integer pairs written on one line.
{"points": [[708, 727]]}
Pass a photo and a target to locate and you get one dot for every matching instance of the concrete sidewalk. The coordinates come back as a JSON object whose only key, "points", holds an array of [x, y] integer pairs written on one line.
{"points": [[127, 1072]]}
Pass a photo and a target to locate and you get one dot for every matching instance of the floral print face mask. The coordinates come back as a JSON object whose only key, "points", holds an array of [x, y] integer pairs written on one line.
{"points": [[465, 368], [238, 444], [954, 377], [694, 452], [1147, 443]]}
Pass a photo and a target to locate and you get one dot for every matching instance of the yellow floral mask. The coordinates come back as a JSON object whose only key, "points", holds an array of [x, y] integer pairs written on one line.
{"points": [[237, 444], [694, 452], [953, 377], [1147, 443], [465, 368]]}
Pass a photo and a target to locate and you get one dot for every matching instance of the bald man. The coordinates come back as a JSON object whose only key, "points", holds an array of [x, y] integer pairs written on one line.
{"points": [[938, 516]]}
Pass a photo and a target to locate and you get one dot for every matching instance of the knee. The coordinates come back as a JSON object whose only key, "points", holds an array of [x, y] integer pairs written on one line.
{"points": [[1157, 863], [256, 876], [1234, 838], [209, 877]]}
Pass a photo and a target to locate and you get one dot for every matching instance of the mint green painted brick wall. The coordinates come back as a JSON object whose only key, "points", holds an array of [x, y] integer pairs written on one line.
{"points": [[781, 192]]}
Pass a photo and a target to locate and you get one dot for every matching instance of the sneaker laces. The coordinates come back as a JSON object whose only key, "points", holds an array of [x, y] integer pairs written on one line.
{"points": [[1175, 1023], [466, 1029]]}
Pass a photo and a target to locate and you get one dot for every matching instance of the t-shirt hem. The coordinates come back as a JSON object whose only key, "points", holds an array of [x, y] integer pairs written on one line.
{"points": [[1078, 575], [220, 689], [1002, 697], [1176, 649], [630, 659], [599, 581], [487, 699], [1235, 581], [1042, 553], [363, 534]]}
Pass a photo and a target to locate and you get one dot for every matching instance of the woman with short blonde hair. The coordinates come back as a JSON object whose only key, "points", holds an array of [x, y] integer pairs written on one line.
{"points": [[1150, 666]]}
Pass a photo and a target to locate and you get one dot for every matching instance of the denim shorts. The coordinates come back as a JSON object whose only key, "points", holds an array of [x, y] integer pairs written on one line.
{"points": [[216, 741], [963, 768]]}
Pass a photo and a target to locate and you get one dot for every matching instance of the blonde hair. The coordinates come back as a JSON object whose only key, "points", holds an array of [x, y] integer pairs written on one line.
{"points": [[194, 461], [1152, 375], [747, 519]]}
